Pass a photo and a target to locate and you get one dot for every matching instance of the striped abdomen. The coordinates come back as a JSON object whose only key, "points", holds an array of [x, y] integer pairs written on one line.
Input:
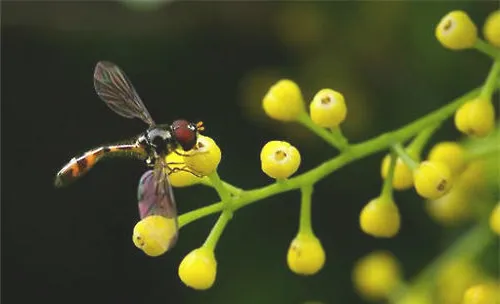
{"points": [[78, 166]]}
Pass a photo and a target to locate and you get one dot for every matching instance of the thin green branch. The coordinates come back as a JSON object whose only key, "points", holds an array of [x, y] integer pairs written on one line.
{"points": [[400, 151], [305, 209], [306, 121], [232, 189], [354, 152], [419, 142], [486, 48], [491, 79], [387, 188], [217, 229]]}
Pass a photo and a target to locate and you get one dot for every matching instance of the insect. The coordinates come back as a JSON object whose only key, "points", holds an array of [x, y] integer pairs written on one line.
{"points": [[155, 192]]}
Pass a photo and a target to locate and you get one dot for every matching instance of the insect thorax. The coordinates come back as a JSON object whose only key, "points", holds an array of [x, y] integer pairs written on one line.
{"points": [[157, 141]]}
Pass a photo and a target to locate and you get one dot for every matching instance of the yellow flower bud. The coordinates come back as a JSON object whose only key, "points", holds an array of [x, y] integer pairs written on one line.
{"points": [[432, 179], [204, 157], [180, 178], [451, 154], [456, 31], [199, 268], [451, 208], [284, 101], [453, 279], [380, 218], [305, 254], [154, 234], [476, 117], [403, 176], [279, 159], [328, 108], [376, 275], [482, 294], [495, 219], [491, 28]]}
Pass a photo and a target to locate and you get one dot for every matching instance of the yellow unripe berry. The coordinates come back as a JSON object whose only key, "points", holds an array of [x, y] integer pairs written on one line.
{"points": [[376, 275], [380, 218], [456, 31], [305, 254], [328, 108], [403, 176], [204, 157], [180, 178], [476, 117], [495, 219], [482, 294], [453, 279], [284, 101], [451, 208], [450, 153], [154, 234], [432, 179], [491, 29], [279, 159], [198, 269]]}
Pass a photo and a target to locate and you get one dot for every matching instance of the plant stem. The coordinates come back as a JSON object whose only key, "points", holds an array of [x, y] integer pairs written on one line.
{"points": [[387, 188], [217, 229], [306, 121], [487, 49], [410, 162], [232, 189], [491, 79], [355, 152], [421, 140], [219, 187], [305, 209]]}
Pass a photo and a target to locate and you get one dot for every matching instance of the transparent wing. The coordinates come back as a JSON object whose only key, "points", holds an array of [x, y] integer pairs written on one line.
{"points": [[116, 90], [156, 197]]}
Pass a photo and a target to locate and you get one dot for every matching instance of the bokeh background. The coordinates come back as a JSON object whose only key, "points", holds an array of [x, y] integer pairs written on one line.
{"points": [[210, 61]]}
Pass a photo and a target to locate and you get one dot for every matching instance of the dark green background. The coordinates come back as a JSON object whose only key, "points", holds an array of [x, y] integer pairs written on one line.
{"points": [[210, 61]]}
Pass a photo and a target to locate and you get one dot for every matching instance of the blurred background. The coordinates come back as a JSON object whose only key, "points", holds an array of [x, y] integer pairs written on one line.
{"points": [[211, 61]]}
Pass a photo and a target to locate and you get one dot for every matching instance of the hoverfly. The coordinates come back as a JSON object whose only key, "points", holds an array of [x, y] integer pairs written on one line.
{"points": [[152, 146]]}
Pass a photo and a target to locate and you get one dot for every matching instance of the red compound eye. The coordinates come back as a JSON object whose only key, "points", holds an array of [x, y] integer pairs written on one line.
{"points": [[184, 133]]}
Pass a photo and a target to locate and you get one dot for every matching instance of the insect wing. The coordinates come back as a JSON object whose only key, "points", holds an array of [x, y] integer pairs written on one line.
{"points": [[116, 90], [155, 196]]}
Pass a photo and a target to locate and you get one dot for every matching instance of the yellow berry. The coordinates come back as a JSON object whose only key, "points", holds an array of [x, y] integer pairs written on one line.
{"points": [[204, 157], [432, 179], [198, 269], [456, 31], [180, 178], [476, 117], [453, 278], [328, 108], [284, 101], [403, 176], [482, 294], [495, 219], [279, 159], [451, 208], [491, 28], [450, 153], [380, 218], [155, 234], [376, 275], [305, 255]]}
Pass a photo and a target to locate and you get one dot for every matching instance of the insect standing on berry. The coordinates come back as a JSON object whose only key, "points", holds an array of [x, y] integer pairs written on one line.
{"points": [[152, 146]]}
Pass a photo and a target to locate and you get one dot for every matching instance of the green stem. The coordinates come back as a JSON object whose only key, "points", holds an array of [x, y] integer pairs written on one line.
{"points": [[355, 152], [306, 121], [305, 209], [340, 138], [219, 187], [487, 49], [232, 189], [417, 145], [217, 229], [491, 79], [410, 162], [467, 247], [387, 188]]}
